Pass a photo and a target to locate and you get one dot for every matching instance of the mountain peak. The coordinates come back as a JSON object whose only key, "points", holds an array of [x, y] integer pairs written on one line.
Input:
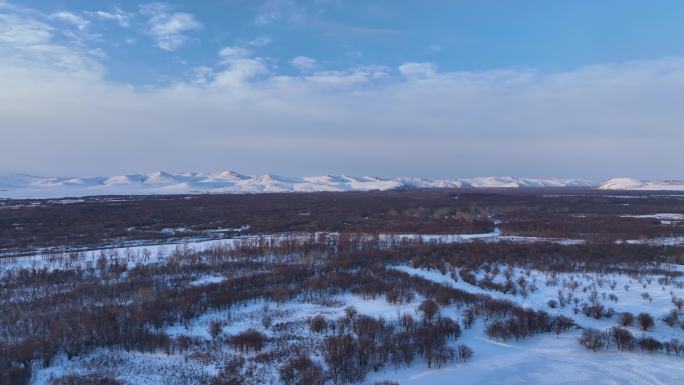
{"points": [[164, 182]]}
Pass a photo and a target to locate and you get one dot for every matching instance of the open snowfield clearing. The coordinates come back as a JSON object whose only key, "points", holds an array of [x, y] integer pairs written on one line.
{"points": [[662, 216], [545, 359]]}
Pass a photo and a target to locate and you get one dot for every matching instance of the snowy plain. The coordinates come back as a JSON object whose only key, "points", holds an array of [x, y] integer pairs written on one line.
{"points": [[541, 359], [544, 359]]}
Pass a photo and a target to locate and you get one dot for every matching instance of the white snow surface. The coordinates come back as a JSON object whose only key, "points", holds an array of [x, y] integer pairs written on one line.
{"points": [[19, 186], [161, 182], [629, 300], [540, 359], [633, 184], [544, 360], [661, 216]]}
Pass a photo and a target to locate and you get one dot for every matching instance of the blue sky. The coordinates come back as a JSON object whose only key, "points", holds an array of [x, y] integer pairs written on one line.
{"points": [[455, 35], [430, 88]]}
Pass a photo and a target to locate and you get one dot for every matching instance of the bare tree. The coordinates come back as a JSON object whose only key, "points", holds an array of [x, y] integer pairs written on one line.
{"points": [[593, 339], [645, 321], [300, 370]]}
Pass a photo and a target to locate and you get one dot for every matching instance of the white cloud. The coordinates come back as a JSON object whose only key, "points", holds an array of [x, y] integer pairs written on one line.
{"points": [[238, 67], [118, 16], [30, 43], [595, 121], [266, 18], [233, 52], [338, 78], [202, 75], [6, 5], [272, 11], [17, 31], [168, 28], [71, 18], [259, 41], [418, 70], [304, 63], [355, 77]]}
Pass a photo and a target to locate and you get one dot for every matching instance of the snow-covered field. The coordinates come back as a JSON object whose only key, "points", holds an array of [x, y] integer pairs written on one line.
{"points": [[551, 359], [545, 358], [629, 292]]}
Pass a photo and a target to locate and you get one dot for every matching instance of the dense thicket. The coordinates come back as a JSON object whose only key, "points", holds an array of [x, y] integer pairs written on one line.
{"points": [[564, 213], [121, 302]]}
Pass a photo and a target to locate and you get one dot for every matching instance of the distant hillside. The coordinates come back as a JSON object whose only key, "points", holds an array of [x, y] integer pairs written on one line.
{"points": [[633, 184], [161, 182]]}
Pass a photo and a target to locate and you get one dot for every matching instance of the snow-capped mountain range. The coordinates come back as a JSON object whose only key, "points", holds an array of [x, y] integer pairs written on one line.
{"points": [[633, 184], [161, 182]]}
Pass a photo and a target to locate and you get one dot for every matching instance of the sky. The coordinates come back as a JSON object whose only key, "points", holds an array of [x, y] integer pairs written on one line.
{"points": [[439, 89]]}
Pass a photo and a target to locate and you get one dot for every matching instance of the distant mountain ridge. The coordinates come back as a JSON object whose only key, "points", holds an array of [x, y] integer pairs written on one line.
{"points": [[162, 182], [633, 184]]}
